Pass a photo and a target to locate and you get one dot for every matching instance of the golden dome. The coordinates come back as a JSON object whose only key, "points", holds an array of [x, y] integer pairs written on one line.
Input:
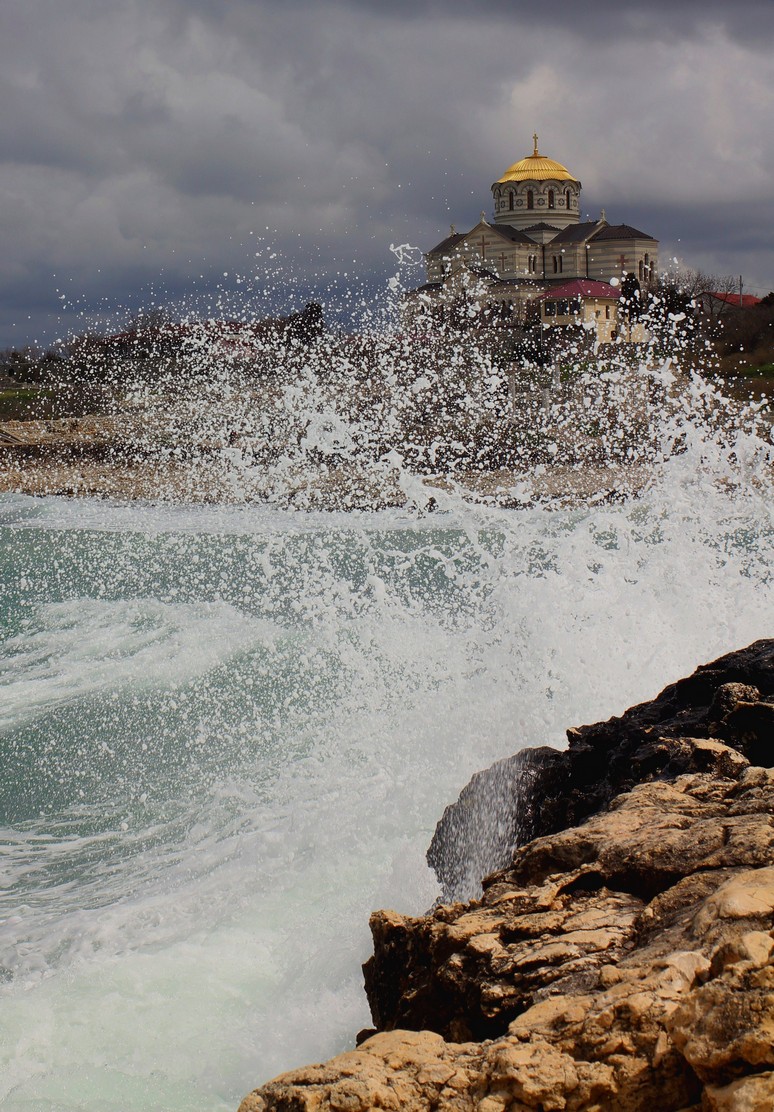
{"points": [[536, 168]]}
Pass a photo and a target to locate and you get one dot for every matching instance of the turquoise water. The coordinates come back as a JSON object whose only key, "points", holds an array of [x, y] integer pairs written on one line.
{"points": [[227, 735]]}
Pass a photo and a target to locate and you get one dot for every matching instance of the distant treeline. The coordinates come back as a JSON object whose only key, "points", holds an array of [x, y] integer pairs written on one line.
{"points": [[152, 344], [153, 339]]}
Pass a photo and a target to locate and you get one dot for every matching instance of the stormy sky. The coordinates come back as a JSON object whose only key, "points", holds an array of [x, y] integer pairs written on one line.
{"points": [[242, 156]]}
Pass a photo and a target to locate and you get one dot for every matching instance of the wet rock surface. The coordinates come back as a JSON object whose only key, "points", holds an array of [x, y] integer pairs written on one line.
{"points": [[540, 791], [624, 962], [498, 809]]}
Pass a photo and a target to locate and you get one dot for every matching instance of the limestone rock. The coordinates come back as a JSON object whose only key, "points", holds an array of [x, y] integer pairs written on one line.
{"points": [[731, 700], [710, 722], [623, 963], [749, 1094]]}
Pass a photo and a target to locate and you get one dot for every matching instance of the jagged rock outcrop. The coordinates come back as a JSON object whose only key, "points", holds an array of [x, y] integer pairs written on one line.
{"points": [[626, 962], [539, 791]]}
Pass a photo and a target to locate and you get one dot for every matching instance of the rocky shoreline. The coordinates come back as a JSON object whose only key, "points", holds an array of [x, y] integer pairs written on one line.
{"points": [[621, 957], [126, 459]]}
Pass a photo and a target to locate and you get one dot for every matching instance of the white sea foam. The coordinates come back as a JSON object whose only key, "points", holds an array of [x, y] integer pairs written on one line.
{"points": [[174, 950], [85, 646], [227, 733]]}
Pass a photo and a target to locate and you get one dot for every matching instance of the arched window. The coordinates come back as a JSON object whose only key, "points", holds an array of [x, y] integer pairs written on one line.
{"points": [[567, 197], [550, 198], [510, 200], [530, 199], [642, 269], [556, 264]]}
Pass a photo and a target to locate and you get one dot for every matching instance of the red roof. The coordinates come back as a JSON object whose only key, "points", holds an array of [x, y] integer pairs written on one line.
{"points": [[581, 287], [746, 301]]}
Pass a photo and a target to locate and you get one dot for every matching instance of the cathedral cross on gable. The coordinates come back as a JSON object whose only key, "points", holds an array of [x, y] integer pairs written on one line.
{"points": [[484, 244], [622, 261]]}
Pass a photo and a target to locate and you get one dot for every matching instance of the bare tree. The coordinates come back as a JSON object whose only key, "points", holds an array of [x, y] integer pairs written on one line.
{"points": [[684, 285]]}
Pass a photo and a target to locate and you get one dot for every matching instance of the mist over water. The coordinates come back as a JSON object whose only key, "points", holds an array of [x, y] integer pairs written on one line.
{"points": [[228, 731]]}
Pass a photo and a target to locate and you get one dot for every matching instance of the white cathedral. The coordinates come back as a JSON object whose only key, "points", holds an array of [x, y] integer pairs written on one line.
{"points": [[537, 254]]}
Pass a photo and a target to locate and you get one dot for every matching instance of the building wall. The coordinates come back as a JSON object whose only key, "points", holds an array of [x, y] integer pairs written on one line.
{"points": [[484, 247], [598, 313], [598, 260], [614, 258], [511, 260]]}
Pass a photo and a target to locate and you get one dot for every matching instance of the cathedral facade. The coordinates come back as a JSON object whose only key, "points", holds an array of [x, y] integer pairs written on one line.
{"points": [[536, 252]]}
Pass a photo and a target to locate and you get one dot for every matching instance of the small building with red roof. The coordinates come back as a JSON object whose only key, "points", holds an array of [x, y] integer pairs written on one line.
{"points": [[583, 302], [718, 306]]}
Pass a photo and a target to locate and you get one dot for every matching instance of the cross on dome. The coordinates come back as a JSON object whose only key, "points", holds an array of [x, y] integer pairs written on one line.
{"points": [[536, 167]]}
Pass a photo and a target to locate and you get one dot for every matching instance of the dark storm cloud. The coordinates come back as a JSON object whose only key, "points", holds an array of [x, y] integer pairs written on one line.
{"points": [[160, 144], [747, 21]]}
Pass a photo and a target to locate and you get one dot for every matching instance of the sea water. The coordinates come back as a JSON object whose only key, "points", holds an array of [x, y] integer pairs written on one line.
{"points": [[228, 732]]}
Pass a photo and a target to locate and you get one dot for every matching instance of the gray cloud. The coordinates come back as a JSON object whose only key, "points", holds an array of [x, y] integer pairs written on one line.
{"points": [[148, 147]]}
